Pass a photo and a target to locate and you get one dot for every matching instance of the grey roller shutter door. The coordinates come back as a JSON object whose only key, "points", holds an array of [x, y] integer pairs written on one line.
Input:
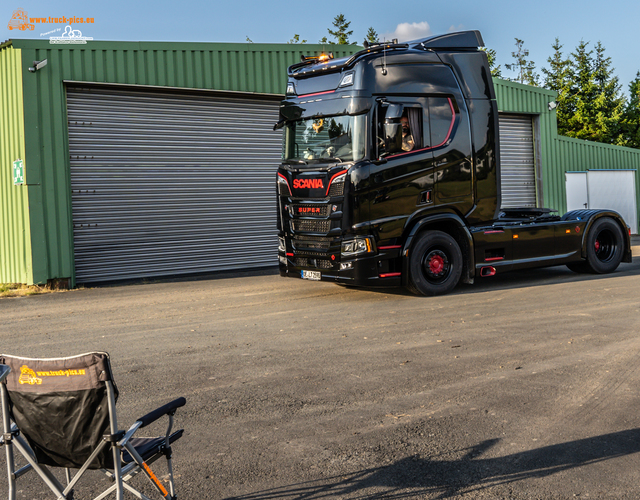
{"points": [[169, 183], [517, 161]]}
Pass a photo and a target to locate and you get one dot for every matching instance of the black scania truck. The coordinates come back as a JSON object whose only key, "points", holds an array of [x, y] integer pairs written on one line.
{"points": [[364, 202]]}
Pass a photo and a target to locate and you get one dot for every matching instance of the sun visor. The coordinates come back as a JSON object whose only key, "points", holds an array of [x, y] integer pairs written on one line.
{"points": [[316, 106]]}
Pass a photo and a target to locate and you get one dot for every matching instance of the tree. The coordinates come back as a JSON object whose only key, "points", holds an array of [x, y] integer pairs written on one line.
{"points": [[594, 103], [524, 68], [580, 93], [610, 103], [631, 119], [558, 77], [372, 36], [340, 33], [496, 71], [296, 39]]}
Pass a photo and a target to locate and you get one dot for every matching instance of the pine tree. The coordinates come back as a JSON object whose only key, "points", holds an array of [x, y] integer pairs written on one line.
{"points": [[558, 78], [340, 34], [523, 67], [372, 36], [595, 105], [610, 102], [581, 92], [631, 120]]}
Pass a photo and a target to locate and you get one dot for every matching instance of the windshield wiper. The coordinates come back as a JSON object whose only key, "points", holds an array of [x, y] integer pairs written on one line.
{"points": [[329, 159], [295, 162]]}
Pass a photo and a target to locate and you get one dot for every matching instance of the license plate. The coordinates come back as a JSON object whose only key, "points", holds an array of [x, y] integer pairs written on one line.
{"points": [[311, 275]]}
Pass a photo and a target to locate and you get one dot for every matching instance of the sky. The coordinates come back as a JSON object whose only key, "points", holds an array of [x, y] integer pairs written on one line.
{"points": [[614, 23]]}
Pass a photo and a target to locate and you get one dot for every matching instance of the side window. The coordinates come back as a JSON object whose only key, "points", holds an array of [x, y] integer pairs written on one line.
{"points": [[441, 115], [402, 134]]}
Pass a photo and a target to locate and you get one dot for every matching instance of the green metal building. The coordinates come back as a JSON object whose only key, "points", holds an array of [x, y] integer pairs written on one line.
{"points": [[138, 159]]}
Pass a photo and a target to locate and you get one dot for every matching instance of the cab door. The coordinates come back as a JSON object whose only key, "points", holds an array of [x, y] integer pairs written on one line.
{"points": [[451, 145], [401, 181]]}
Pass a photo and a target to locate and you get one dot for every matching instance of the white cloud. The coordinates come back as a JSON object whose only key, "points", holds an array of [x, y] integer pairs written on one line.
{"points": [[405, 32], [453, 28]]}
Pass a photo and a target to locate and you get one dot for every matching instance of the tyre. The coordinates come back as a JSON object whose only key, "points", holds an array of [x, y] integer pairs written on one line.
{"points": [[435, 264], [605, 246]]}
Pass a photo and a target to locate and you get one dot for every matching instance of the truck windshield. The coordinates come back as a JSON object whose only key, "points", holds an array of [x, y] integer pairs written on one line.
{"points": [[332, 138]]}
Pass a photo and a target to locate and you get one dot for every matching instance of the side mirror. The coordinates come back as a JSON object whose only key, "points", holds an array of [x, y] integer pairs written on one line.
{"points": [[394, 112], [392, 137]]}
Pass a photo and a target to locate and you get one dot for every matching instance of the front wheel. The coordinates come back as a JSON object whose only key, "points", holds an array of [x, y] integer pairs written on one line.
{"points": [[605, 246], [435, 264]]}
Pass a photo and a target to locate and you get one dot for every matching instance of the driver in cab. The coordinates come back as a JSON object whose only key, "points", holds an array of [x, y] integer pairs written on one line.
{"points": [[407, 139]]}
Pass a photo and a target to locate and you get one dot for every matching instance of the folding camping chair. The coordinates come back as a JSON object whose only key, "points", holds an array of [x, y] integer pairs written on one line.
{"points": [[61, 412]]}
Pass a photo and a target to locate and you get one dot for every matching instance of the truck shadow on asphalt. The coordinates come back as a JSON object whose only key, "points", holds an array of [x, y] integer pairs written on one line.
{"points": [[522, 279], [416, 477], [543, 276]]}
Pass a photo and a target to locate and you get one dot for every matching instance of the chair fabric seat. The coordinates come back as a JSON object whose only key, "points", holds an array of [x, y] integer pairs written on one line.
{"points": [[148, 447]]}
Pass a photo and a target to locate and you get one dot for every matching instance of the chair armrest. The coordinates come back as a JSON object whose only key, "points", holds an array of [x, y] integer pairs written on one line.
{"points": [[169, 408]]}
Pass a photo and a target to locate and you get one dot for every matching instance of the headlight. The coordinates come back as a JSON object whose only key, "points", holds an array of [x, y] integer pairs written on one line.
{"points": [[283, 185], [356, 246]]}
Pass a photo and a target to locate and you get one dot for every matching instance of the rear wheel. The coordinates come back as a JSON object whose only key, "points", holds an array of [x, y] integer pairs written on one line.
{"points": [[605, 246], [435, 264]]}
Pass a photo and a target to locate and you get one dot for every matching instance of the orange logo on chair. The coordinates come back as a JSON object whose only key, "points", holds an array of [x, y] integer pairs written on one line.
{"points": [[28, 376]]}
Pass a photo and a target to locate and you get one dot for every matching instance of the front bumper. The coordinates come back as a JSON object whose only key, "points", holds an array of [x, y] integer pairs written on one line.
{"points": [[379, 269]]}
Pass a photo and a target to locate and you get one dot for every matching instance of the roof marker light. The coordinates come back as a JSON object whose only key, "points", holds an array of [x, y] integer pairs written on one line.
{"points": [[323, 58]]}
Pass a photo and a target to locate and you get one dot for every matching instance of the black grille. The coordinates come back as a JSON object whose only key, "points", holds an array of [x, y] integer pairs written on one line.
{"points": [[312, 238], [311, 226], [308, 253], [317, 263], [319, 245], [336, 189], [308, 210]]}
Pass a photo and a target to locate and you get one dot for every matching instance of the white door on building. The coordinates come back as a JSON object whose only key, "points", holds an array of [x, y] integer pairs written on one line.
{"points": [[577, 192], [608, 189]]}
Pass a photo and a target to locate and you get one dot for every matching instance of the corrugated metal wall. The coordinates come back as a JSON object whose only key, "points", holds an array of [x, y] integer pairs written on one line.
{"points": [[15, 245], [254, 68]]}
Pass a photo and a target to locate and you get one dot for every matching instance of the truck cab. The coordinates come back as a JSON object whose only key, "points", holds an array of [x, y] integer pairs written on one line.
{"points": [[390, 174]]}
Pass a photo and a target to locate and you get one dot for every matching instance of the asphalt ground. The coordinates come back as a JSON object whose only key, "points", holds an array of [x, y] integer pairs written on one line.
{"points": [[521, 386]]}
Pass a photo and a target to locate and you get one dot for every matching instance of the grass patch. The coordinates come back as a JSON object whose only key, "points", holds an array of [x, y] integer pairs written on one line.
{"points": [[20, 290]]}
